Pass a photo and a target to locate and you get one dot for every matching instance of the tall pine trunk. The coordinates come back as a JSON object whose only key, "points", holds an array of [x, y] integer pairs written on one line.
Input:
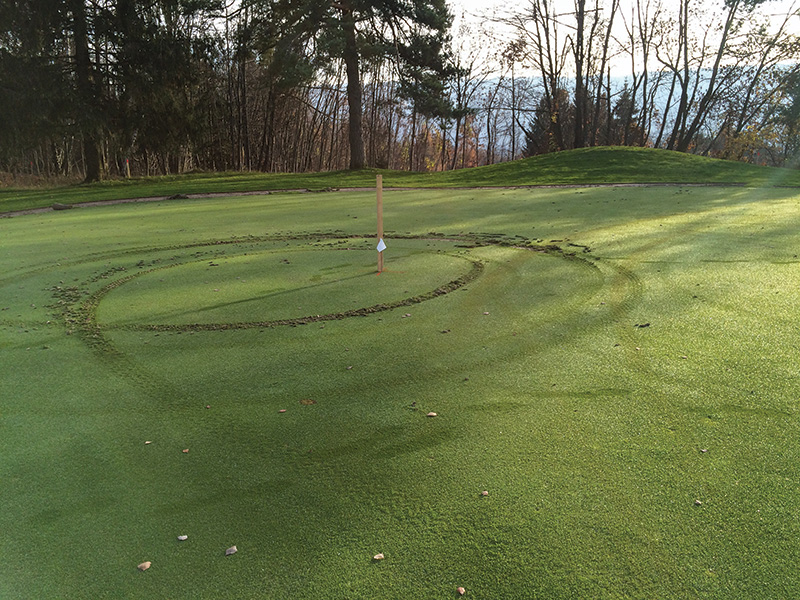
{"points": [[354, 99], [86, 90]]}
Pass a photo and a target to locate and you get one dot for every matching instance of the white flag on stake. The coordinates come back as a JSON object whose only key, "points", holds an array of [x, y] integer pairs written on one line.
{"points": [[381, 245]]}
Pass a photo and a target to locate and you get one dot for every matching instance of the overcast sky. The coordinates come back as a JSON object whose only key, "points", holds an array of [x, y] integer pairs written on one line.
{"points": [[473, 9], [779, 7]]}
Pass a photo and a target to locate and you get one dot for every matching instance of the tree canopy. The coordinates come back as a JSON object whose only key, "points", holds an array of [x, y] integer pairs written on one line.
{"points": [[111, 87]]}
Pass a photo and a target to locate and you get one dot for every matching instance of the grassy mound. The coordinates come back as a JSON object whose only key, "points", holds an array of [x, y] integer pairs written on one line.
{"points": [[610, 165], [587, 166]]}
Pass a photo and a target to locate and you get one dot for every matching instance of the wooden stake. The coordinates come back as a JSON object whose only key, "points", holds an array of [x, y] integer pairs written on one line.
{"points": [[379, 190]]}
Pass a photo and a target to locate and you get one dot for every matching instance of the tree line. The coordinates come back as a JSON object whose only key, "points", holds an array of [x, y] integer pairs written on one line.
{"points": [[97, 88], [716, 78]]}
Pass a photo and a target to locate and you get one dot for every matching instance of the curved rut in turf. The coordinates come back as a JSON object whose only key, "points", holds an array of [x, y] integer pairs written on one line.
{"points": [[76, 305]]}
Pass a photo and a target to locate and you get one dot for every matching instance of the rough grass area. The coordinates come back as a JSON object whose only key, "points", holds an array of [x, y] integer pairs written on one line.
{"points": [[620, 376], [592, 166]]}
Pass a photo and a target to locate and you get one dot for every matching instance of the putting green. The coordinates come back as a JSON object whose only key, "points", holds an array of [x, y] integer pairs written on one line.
{"points": [[627, 399], [271, 285]]}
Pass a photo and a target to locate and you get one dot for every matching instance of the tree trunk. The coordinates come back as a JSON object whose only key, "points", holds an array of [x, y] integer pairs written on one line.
{"points": [[86, 89], [598, 106], [443, 159], [354, 99], [683, 47], [413, 139], [580, 91], [455, 144], [702, 109], [513, 113], [266, 160]]}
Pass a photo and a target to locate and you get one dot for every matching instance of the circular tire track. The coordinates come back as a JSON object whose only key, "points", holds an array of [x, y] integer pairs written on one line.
{"points": [[77, 305]]}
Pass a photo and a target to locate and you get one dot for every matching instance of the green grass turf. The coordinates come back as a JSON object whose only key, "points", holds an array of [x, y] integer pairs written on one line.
{"points": [[594, 437], [601, 165]]}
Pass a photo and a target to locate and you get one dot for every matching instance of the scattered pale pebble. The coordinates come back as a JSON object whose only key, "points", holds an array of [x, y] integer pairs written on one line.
{"points": [[431, 414], [684, 357], [485, 493], [147, 442], [378, 556], [461, 591], [186, 451], [144, 566], [183, 538], [283, 410], [697, 503], [231, 550], [486, 312], [208, 406], [703, 450]]}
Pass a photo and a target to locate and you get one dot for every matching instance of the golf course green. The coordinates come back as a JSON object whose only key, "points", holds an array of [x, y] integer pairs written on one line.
{"points": [[550, 392]]}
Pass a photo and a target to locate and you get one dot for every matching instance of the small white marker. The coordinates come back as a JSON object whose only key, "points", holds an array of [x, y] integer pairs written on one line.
{"points": [[381, 245]]}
